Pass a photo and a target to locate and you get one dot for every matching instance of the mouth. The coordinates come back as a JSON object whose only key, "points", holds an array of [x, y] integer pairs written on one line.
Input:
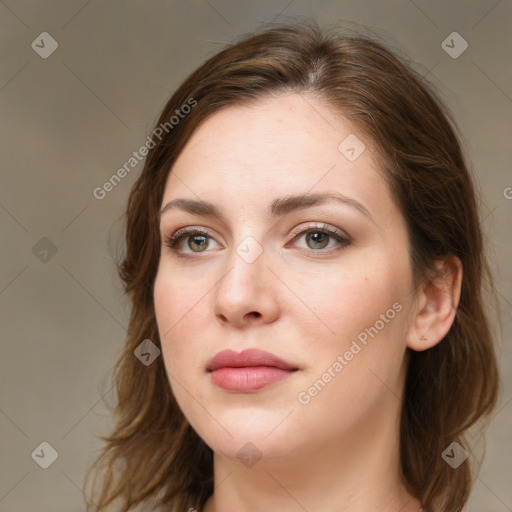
{"points": [[248, 371]]}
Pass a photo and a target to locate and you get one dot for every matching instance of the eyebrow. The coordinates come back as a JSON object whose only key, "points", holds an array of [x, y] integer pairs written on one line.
{"points": [[278, 208]]}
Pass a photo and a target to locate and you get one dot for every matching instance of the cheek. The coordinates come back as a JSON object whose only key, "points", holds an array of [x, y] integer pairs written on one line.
{"points": [[173, 308], [176, 295], [367, 310], [357, 369], [350, 301], [180, 319], [166, 305], [183, 318]]}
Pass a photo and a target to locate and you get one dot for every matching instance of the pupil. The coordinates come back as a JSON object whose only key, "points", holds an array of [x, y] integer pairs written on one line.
{"points": [[318, 237], [195, 238]]}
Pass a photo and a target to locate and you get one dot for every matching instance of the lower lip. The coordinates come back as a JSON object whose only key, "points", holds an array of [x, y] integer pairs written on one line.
{"points": [[249, 378]]}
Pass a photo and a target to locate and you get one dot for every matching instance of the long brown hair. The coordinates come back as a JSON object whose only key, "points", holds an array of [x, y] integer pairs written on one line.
{"points": [[153, 456]]}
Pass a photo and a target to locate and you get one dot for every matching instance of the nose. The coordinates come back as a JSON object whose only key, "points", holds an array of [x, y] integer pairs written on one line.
{"points": [[247, 292]]}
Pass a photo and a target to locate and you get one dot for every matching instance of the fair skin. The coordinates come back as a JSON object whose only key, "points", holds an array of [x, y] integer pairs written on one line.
{"points": [[305, 299]]}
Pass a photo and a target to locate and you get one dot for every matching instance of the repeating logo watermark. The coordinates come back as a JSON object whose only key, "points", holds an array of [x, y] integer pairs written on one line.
{"points": [[454, 45], [146, 352], [45, 455], [304, 397], [44, 45], [454, 455], [351, 147], [249, 454], [137, 156], [249, 249], [44, 250]]}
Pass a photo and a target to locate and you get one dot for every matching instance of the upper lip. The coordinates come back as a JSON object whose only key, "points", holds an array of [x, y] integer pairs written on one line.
{"points": [[247, 358]]}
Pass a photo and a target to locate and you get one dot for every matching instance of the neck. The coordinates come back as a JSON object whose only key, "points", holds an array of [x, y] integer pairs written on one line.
{"points": [[359, 473]]}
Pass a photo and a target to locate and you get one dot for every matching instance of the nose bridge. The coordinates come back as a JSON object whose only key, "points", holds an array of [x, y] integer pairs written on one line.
{"points": [[246, 264], [245, 287], [248, 252]]}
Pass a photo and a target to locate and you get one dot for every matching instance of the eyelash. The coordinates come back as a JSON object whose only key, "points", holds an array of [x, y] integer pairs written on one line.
{"points": [[173, 241]]}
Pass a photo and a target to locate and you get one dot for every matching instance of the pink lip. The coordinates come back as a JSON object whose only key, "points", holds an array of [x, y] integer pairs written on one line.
{"points": [[249, 370]]}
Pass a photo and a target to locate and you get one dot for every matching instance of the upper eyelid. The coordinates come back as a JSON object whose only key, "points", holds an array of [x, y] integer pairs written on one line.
{"points": [[295, 231], [320, 226]]}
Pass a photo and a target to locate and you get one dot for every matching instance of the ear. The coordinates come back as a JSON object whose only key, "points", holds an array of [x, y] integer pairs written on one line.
{"points": [[436, 306]]}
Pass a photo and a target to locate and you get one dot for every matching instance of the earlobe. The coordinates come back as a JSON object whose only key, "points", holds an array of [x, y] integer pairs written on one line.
{"points": [[437, 305]]}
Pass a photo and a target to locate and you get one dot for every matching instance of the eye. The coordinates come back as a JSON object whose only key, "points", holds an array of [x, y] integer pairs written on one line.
{"points": [[197, 240], [318, 238]]}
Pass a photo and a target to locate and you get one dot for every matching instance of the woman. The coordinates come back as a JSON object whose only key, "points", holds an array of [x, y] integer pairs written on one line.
{"points": [[304, 249]]}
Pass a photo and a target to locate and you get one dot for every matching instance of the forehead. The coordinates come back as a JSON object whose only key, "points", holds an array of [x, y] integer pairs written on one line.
{"points": [[289, 144]]}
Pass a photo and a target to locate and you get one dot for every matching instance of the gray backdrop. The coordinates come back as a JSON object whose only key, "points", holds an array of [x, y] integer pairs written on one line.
{"points": [[73, 114]]}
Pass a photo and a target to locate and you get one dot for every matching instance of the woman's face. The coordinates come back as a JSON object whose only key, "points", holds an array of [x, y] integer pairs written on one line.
{"points": [[336, 310]]}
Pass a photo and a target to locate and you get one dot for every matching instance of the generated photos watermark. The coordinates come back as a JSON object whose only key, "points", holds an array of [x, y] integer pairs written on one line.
{"points": [[304, 397], [137, 156]]}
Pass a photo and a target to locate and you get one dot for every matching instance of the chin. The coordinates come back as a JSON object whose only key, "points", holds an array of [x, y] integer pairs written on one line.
{"points": [[250, 434]]}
